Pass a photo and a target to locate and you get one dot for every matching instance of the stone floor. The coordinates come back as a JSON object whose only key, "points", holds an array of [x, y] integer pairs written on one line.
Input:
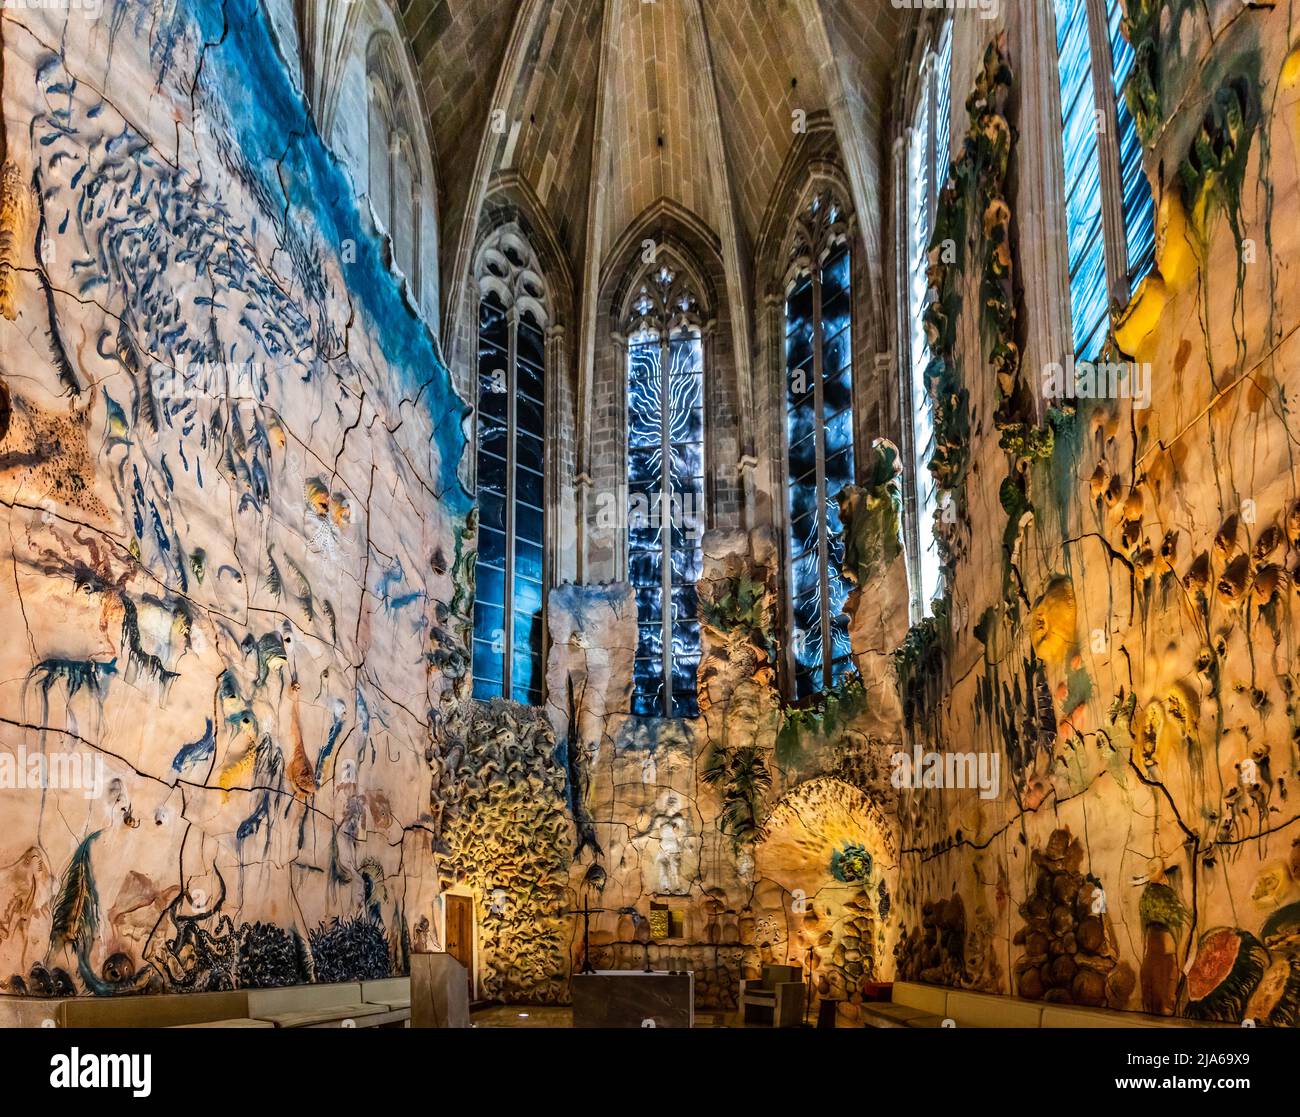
{"points": [[522, 1016]]}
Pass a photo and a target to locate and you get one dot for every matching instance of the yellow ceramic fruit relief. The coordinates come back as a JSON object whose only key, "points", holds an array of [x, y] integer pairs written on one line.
{"points": [[1143, 314], [1175, 254]]}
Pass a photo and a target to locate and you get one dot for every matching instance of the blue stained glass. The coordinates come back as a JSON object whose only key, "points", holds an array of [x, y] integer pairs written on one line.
{"points": [[685, 667], [835, 554], [841, 648], [532, 345], [688, 528], [526, 673], [839, 433], [836, 314], [532, 697], [686, 355], [643, 499], [807, 576], [803, 456], [820, 455], [837, 392], [650, 645], [686, 531], [528, 634], [687, 466], [799, 303], [1138, 203], [665, 486], [648, 697], [644, 466], [685, 404], [492, 459], [489, 622], [803, 501], [835, 272], [528, 595], [643, 435], [799, 354], [492, 473], [837, 355], [1086, 250], [528, 487], [530, 382], [799, 337], [529, 452], [943, 99], [645, 568], [804, 529], [808, 650], [643, 533], [685, 603], [492, 320], [529, 522], [928, 156], [687, 426], [490, 584], [839, 472], [491, 510], [686, 641], [645, 360], [807, 620], [650, 604], [685, 664], [528, 560], [802, 411], [492, 549], [492, 404], [528, 416], [487, 662], [688, 566], [645, 413], [511, 426]]}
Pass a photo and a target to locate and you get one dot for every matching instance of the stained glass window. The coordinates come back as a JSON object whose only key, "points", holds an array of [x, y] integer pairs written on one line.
{"points": [[819, 414], [508, 633], [665, 480], [1138, 203], [928, 157], [1092, 69]]}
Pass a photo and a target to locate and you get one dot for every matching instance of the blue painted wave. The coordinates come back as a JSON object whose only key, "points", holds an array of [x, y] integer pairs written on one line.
{"points": [[276, 135]]}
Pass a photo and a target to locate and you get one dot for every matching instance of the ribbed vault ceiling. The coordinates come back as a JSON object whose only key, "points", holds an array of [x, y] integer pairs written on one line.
{"points": [[689, 100]]}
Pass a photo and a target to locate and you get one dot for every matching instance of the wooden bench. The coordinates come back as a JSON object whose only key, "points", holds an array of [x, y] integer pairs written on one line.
{"points": [[367, 1004], [916, 1005], [913, 1005], [394, 993], [324, 1006], [166, 1010]]}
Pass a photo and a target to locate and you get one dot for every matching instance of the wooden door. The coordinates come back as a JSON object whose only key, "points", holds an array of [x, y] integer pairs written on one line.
{"points": [[460, 934]]}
